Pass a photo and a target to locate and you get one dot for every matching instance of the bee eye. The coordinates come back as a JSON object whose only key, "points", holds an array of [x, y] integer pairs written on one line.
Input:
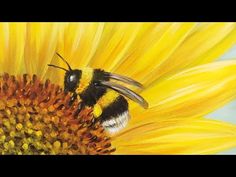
{"points": [[72, 78]]}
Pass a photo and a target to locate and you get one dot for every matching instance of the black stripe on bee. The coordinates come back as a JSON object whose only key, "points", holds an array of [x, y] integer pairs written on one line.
{"points": [[119, 106], [91, 95]]}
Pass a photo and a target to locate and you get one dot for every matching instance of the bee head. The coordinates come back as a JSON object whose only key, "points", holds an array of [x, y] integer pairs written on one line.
{"points": [[72, 76], [71, 80]]}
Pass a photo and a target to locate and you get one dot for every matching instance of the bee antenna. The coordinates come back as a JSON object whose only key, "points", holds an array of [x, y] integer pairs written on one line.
{"points": [[57, 67], [64, 61]]}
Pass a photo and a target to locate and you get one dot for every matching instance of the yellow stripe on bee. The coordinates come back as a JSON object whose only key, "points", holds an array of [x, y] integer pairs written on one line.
{"points": [[97, 110], [86, 77], [108, 98]]}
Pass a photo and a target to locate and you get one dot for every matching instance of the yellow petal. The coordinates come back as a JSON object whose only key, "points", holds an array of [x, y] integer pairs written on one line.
{"points": [[159, 49], [181, 45], [80, 42], [119, 40], [77, 43], [163, 47], [148, 35], [12, 41], [199, 136], [41, 42], [191, 93], [204, 45]]}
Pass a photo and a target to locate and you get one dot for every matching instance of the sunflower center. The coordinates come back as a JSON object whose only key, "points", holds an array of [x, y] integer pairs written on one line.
{"points": [[36, 118]]}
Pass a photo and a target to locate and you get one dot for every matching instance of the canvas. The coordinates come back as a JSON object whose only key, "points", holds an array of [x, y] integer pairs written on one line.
{"points": [[117, 88]]}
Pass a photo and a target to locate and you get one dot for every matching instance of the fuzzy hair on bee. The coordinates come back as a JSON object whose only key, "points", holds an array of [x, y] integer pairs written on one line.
{"points": [[108, 99]]}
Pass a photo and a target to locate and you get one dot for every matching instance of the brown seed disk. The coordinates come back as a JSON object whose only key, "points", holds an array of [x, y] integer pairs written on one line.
{"points": [[36, 118]]}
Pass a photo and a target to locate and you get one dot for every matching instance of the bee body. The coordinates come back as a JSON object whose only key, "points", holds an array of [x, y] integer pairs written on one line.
{"points": [[113, 107], [95, 89]]}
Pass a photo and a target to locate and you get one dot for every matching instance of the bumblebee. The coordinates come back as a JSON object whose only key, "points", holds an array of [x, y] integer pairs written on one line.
{"points": [[96, 89]]}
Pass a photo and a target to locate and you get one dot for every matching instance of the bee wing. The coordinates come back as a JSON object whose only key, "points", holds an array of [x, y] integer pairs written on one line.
{"points": [[126, 92], [124, 79]]}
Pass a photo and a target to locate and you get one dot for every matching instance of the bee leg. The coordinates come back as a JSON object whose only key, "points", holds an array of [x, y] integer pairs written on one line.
{"points": [[72, 99], [97, 111], [80, 108]]}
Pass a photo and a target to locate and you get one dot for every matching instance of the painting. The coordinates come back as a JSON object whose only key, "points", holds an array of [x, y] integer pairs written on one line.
{"points": [[104, 88]]}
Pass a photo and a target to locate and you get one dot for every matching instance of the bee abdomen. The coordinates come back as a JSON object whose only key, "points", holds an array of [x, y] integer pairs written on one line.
{"points": [[115, 116], [115, 124]]}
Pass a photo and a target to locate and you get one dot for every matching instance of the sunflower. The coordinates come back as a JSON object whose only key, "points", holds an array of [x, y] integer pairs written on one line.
{"points": [[174, 61]]}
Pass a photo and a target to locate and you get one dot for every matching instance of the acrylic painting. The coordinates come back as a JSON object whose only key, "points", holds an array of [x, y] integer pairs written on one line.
{"points": [[104, 88]]}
